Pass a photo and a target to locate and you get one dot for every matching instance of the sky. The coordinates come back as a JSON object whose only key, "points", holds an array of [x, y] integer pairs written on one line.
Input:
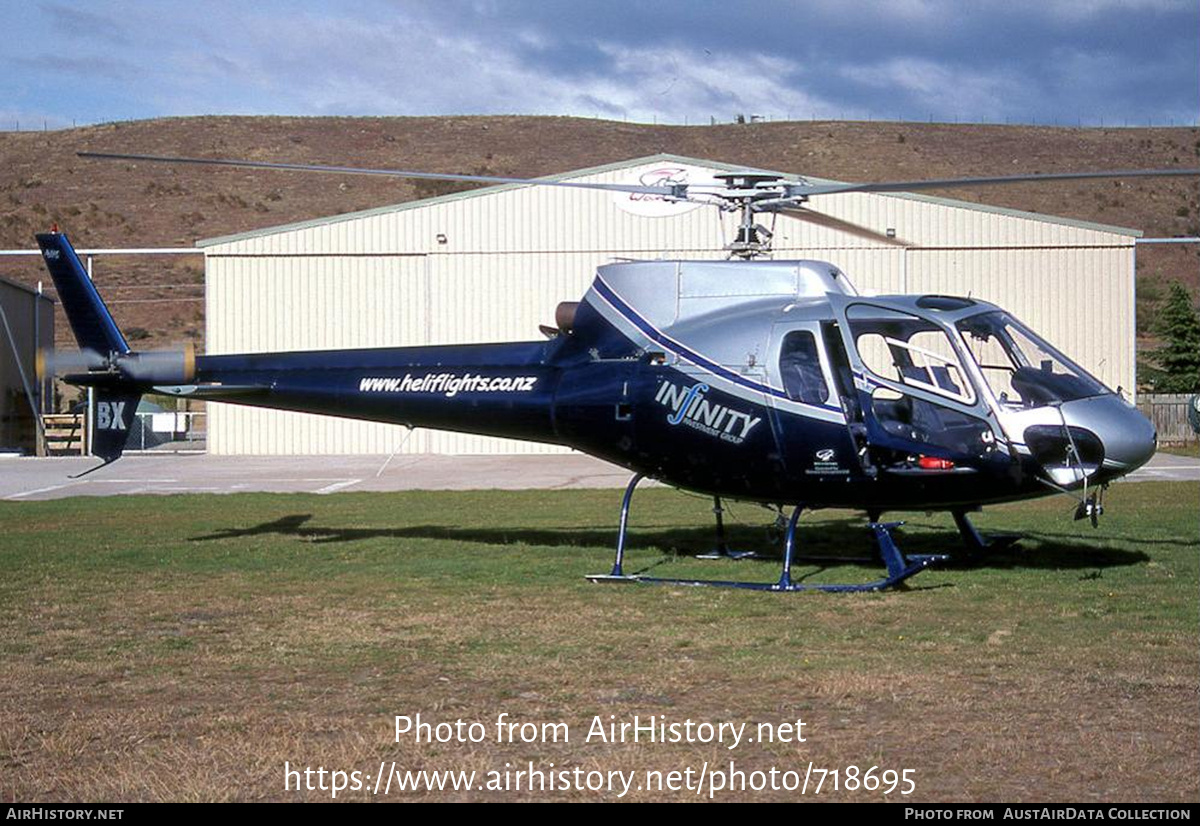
{"points": [[1068, 62]]}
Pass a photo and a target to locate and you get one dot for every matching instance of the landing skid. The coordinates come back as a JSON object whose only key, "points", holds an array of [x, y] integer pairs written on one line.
{"points": [[899, 567]]}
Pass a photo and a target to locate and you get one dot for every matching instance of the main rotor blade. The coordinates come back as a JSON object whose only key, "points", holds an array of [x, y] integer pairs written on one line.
{"points": [[805, 190], [841, 225], [674, 192], [792, 191]]}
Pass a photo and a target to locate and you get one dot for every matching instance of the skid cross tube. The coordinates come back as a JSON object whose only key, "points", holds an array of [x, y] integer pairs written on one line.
{"points": [[789, 548], [721, 550], [899, 567], [976, 542], [718, 512], [618, 573]]}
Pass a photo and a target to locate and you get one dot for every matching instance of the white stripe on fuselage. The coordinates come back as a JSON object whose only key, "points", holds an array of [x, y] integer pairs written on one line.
{"points": [[718, 382]]}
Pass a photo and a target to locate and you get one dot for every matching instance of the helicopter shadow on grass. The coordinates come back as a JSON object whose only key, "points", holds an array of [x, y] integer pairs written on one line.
{"points": [[828, 543]]}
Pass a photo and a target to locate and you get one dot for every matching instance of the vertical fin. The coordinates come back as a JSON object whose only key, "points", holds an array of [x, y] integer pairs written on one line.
{"points": [[95, 330], [89, 318]]}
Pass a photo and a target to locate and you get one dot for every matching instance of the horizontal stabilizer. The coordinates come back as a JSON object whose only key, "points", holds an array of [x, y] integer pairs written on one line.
{"points": [[210, 391]]}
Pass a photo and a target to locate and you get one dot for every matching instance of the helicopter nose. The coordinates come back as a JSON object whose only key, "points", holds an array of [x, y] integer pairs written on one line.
{"points": [[1135, 444], [1129, 438]]}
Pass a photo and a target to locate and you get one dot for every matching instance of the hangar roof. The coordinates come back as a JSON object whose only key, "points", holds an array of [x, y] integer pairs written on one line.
{"points": [[650, 159], [16, 286]]}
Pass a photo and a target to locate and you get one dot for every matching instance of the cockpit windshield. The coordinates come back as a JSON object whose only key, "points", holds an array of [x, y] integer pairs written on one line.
{"points": [[1020, 367]]}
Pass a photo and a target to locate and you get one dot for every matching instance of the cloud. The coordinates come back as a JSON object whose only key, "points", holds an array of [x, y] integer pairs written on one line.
{"points": [[327, 64], [679, 82], [670, 60], [84, 68], [923, 85], [1084, 9], [85, 23]]}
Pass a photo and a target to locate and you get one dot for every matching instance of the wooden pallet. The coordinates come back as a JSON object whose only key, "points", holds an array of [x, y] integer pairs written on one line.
{"points": [[66, 434]]}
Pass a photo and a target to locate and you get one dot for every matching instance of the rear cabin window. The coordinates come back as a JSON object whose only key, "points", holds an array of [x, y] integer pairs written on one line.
{"points": [[800, 369]]}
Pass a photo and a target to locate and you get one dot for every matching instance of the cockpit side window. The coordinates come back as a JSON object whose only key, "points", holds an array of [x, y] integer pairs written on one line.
{"points": [[909, 350], [800, 369]]}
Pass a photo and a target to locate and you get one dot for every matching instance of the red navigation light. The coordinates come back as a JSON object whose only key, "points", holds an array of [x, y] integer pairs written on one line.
{"points": [[934, 463]]}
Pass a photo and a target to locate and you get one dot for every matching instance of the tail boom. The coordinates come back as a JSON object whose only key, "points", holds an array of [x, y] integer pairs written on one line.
{"points": [[493, 390], [505, 390]]}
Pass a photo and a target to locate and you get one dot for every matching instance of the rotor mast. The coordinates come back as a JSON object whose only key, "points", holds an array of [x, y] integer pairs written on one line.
{"points": [[744, 192]]}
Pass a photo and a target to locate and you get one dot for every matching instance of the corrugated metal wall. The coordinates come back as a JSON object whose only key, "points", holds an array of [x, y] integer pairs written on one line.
{"points": [[289, 302], [505, 257], [30, 319]]}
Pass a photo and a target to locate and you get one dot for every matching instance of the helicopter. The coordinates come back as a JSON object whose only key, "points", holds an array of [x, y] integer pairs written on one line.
{"points": [[875, 403]]}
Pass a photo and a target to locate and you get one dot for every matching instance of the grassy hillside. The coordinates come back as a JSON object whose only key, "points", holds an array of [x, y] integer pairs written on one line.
{"points": [[119, 204]]}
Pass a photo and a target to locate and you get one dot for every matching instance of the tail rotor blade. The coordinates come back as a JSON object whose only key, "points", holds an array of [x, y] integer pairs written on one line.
{"points": [[51, 363]]}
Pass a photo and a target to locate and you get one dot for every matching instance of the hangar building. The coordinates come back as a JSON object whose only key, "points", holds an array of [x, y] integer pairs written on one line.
{"points": [[26, 325], [491, 264]]}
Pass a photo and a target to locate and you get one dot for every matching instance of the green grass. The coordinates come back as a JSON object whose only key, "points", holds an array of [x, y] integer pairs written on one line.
{"points": [[183, 647], [1191, 449]]}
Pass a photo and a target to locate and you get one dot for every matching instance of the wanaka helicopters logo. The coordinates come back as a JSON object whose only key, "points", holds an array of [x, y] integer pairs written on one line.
{"points": [[649, 205], [689, 407]]}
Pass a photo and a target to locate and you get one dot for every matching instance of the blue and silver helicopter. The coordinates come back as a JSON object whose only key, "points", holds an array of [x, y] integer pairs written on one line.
{"points": [[880, 403]]}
